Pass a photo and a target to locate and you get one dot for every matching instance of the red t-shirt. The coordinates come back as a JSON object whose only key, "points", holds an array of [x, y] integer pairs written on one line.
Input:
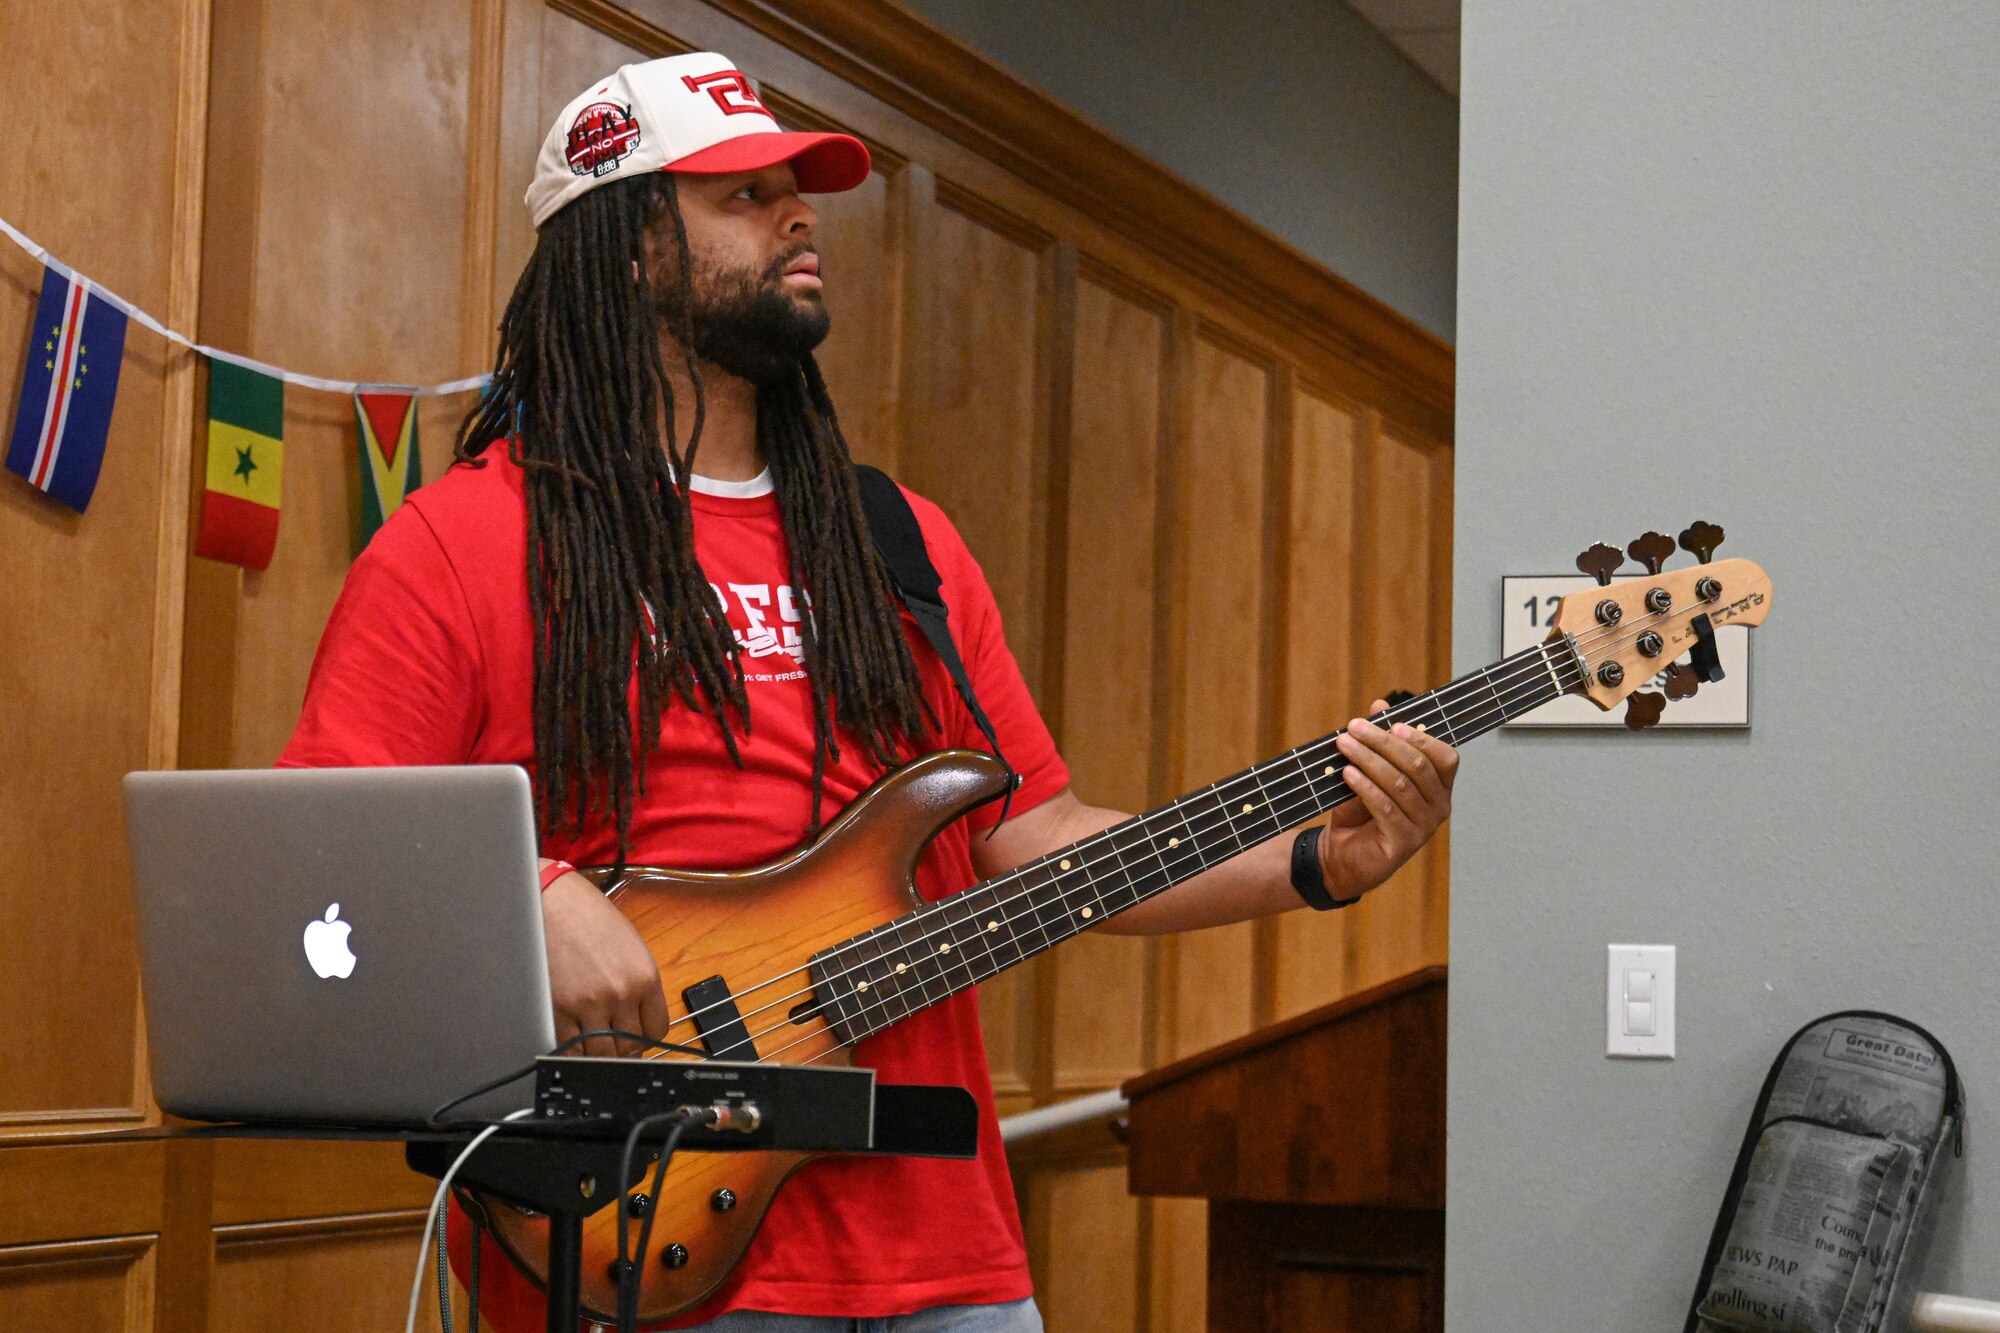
{"points": [[427, 659]]}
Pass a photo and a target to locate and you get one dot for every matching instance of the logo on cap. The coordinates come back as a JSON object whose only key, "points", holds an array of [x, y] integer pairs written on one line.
{"points": [[731, 91], [602, 135]]}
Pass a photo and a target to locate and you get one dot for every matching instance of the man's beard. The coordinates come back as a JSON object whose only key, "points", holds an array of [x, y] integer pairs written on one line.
{"points": [[748, 324]]}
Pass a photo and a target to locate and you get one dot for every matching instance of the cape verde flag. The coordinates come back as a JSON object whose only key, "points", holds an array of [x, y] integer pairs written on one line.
{"points": [[74, 353]]}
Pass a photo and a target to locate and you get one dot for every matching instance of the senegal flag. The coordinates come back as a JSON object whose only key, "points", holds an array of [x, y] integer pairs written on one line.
{"points": [[246, 460], [390, 469]]}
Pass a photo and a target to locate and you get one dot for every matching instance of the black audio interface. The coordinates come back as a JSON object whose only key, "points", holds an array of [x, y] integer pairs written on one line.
{"points": [[741, 1104]]}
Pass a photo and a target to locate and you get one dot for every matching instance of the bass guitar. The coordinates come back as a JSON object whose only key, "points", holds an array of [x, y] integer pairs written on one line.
{"points": [[798, 960]]}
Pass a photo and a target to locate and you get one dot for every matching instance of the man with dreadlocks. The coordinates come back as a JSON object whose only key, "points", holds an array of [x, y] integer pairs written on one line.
{"points": [[650, 581]]}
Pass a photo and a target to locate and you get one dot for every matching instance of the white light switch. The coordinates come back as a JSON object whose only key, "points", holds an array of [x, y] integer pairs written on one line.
{"points": [[1639, 1001]]}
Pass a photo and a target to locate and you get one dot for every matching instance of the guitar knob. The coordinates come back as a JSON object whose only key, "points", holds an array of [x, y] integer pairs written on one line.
{"points": [[637, 1204], [1700, 539], [722, 1200], [1652, 550], [1601, 561], [675, 1255], [1643, 709]]}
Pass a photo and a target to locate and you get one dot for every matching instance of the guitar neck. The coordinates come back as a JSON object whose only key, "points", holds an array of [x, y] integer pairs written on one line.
{"points": [[877, 978]]}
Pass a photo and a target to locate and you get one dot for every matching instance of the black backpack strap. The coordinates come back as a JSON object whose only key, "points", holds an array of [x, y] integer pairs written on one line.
{"points": [[900, 539]]}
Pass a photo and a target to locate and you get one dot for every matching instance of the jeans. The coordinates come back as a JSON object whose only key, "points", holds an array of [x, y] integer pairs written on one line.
{"points": [[1008, 1317]]}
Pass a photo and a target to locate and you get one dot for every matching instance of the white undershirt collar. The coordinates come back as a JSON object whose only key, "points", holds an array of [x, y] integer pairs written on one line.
{"points": [[732, 490]]}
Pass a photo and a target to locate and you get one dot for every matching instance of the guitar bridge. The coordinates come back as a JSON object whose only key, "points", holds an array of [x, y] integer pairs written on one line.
{"points": [[718, 1020]]}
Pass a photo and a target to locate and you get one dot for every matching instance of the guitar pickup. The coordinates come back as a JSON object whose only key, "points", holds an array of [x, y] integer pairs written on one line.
{"points": [[719, 1022]]}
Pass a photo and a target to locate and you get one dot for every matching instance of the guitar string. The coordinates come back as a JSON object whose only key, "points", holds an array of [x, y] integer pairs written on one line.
{"points": [[1069, 899], [1525, 675], [1213, 822], [1090, 883]]}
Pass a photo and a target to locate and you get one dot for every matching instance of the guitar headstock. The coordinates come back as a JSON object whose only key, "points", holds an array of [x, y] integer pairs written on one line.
{"points": [[1625, 631]]}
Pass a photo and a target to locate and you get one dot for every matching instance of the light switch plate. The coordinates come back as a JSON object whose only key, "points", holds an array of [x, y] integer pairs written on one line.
{"points": [[1621, 1034]]}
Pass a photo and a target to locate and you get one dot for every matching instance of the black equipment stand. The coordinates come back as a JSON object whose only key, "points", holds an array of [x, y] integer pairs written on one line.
{"points": [[568, 1169]]}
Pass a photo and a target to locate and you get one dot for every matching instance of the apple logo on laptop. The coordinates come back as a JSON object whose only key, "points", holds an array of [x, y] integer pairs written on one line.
{"points": [[326, 945]]}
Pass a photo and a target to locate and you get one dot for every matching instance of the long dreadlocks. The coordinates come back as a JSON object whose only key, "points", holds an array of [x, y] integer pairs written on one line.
{"points": [[614, 589]]}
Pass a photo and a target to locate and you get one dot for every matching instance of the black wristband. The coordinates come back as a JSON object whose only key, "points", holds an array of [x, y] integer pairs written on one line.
{"points": [[1307, 877]]}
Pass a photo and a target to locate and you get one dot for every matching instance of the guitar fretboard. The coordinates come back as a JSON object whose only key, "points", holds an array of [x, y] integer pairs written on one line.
{"points": [[868, 982]]}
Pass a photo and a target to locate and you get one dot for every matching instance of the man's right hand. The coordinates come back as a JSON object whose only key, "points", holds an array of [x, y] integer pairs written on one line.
{"points": [[601, 974]]}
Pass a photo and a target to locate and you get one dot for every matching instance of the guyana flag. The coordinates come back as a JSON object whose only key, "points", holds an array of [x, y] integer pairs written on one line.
{"points": [[390, 469], [246, 461]]}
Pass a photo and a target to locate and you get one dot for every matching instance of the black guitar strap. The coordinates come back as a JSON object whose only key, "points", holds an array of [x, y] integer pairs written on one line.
{"points": [[900, 539]]}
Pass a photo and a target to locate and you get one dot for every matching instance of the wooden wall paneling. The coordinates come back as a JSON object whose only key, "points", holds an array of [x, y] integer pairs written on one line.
{"points": [[376, 97], [1221, 522], [1317, 694], [187, 1243], [973, 439], [1099, 1018], [90, 613], [1084, 1284], [105, 1283], [976, 437], [59, 1191], [335, 1275], [518, 128], [1275, 618], [274, 1180], [229, 245], [1178, 1269], [1405, 499], [485, 139]]}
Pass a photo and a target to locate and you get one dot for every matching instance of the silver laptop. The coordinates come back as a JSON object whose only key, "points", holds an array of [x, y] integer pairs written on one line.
{"points": [[338, 944]]}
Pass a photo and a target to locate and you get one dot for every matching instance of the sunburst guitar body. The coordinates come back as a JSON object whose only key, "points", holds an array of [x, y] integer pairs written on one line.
{"points": [[758, 930]]}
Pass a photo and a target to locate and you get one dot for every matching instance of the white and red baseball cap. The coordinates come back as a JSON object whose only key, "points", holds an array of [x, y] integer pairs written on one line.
{"points": [[693, 113]]}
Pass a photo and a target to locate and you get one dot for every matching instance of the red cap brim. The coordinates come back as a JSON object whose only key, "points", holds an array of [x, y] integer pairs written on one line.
{"points": [[823, 163]]}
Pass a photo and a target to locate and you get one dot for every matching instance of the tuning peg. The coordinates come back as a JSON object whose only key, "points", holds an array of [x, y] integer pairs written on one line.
{"points": [[1699, 539], [1642, 710], [1682, 681], [1652, 550], [1601, 561]]}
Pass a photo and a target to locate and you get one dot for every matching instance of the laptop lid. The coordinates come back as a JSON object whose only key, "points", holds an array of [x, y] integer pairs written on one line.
{"points": [[338, 944]]}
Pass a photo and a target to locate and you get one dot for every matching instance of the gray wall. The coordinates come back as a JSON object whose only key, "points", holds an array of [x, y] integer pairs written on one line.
{"points": [[1735, 262], [1294, 112]]}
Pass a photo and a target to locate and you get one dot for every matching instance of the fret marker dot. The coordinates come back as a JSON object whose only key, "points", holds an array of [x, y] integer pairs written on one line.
{"points": [[861, 985], [1173, 842], [1329, 770], [992, 926], [1248, 807], [902, 967], [1420, 726], [1086, 911], [1065, 865]]}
